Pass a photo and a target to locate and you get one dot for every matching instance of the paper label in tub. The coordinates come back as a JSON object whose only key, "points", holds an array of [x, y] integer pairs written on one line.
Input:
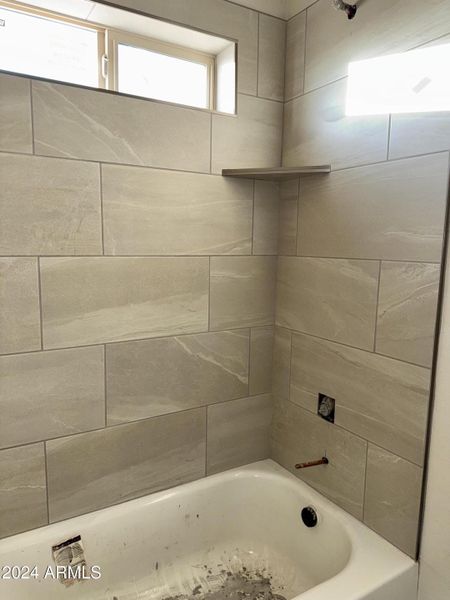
{"points": [[69, 560]]}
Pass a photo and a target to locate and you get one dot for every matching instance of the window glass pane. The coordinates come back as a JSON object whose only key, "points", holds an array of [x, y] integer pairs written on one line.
{"points": [[146, 73], [34, 45], [416, 81]]}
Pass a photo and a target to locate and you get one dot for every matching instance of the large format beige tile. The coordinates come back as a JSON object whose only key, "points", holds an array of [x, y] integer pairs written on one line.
{"points": [[299, 436], [422, 133], [242, 291], [19, 305], [50, 394], [49, 206], [261, 354], [380, 399], [238, 432], [15, 114], [330, 298], [281, 363], [104, 299], [266, 217], [392, 210], [93, 125], [93, 470], [317, 131], [23, 496], [154, 377], [213, 16], [381, 27], [147, 211], [407, 311], [272, 41], [287, 233], [295, 56], [250, 139], [392, 500]]}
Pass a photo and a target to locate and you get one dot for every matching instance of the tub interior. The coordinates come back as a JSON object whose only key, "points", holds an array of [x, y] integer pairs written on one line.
{"points": [[238, 538]]}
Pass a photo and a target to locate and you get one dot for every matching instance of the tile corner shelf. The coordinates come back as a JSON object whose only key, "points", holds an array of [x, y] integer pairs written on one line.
{"points": [[278, 173]]}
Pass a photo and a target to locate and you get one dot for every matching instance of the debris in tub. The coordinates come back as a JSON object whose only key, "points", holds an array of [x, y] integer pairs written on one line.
{"points": [[243, 585]]}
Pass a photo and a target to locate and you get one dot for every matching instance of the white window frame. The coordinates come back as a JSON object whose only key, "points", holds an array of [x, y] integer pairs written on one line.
{"points": [[114, 37], [108, 42]]}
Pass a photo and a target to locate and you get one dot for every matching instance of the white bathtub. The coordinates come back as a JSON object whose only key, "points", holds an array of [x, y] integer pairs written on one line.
{"points": [[242, 527]]}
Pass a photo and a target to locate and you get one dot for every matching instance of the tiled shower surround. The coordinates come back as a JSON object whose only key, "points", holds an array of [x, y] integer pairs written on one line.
{"points": [[139, 287]]}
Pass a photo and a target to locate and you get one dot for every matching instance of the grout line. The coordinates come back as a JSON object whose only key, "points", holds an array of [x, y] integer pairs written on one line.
{"points": [[365, 481], [304, 10], [206, 173], [102, 220], [206, 439], [290, 363], [388, 145], [46, 481], [257, 58], [165, 256], [297, 219], [33, 151], [249, 366], [41, 320], [147, 339], [105, 385], [377, 304], [304, 55], [197, 407], [367, 351], [252, 249], [211, 145], [209, 294], [254, 10], [356, 435]]}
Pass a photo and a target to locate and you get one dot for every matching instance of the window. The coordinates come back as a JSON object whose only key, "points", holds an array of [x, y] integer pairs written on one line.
{"points": [[36, 42], [186, 76], [33, 44], [415, 81]]}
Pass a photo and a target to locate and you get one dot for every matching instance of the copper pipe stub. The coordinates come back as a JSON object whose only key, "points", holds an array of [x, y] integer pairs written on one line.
{"points": [[313, 463]]}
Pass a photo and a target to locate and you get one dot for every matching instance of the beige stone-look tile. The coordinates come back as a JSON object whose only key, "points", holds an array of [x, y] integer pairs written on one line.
{"points": [[238, 432], [212, 16], [107, 299], [154, 377], [19, 305], [392, 210], [317, 131], [94, 125], [295, 56], [281, 363], [423, 133], [242, 291], [266, 217], [23, 496], [89, 471], [407, 311], [51, 394], [330, 298], [272, 42], [250, 139], [15, 114], [381, 27], [299, 436], [392, 500], [147, 211], [261, 355], [287, 234], [49, 206], [378, 398]]}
